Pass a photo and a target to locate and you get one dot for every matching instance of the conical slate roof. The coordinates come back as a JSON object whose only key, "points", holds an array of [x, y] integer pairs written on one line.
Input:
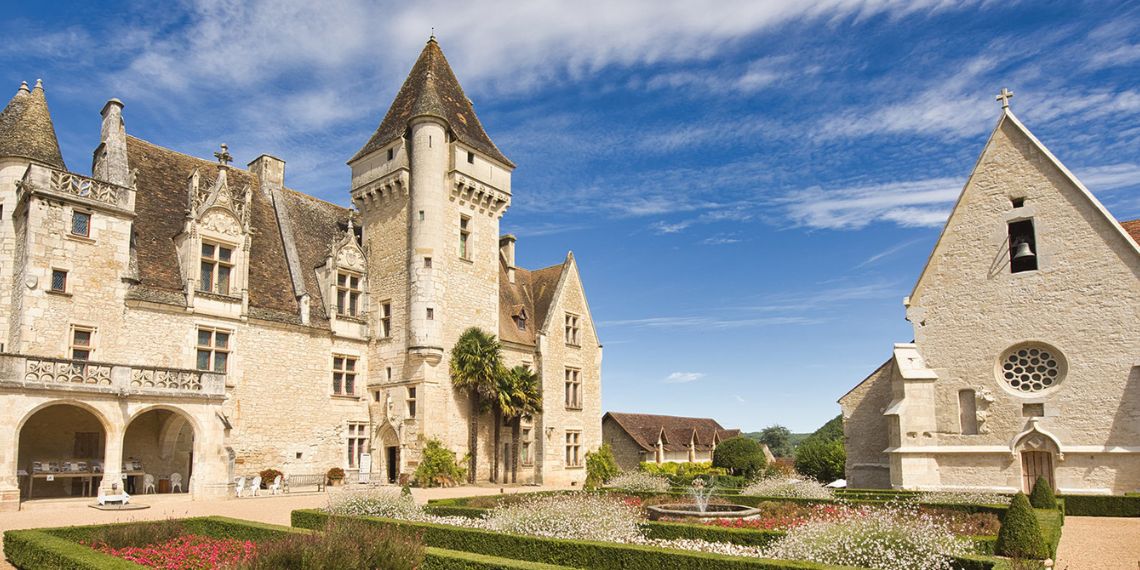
{"points": [[432, 89], [26, 129]]}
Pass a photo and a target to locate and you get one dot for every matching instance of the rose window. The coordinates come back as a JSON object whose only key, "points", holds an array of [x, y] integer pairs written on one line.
{"points": [[1032, 368]]}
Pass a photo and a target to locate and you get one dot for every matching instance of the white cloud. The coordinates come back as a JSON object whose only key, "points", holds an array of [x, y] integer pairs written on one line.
{"points": [[739, 399], [671, 228], [886, 253], [707, 323], [683, 377], [917, 203]]}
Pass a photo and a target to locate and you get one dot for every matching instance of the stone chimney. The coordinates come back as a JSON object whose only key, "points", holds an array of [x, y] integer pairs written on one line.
{"points": [[270, 170], [507, 252], [110, 161]]}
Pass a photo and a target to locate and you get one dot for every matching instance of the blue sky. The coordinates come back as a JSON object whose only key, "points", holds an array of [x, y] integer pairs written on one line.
{"points": [[750, 188]]}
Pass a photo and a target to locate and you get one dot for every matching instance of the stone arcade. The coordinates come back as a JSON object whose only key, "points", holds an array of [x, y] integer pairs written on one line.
{"points": [[201, 319], [1024, 359]]}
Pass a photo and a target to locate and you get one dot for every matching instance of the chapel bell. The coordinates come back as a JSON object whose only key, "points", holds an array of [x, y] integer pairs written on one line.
{"points": [[1023, 251]]}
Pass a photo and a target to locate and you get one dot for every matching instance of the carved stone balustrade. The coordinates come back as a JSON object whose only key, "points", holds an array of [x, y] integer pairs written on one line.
{"points": [[39, 179], [46, 373]]}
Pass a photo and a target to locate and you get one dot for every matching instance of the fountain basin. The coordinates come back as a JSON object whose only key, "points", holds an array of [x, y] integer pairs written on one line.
{"points": [[691, 511]]}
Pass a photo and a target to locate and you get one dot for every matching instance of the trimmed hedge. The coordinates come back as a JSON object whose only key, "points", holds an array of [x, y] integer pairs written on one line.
{"points": [[454, 511], [441, 559], [1050, 522], [711, 533], [36, 550], [1102, 505]]}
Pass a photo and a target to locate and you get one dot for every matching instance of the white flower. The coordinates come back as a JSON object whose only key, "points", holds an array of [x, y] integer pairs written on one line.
{"points": [[638, 481], [787, 488]]}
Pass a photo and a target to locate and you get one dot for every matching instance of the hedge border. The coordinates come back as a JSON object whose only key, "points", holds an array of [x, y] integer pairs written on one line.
{"points": [[1101, 505]]}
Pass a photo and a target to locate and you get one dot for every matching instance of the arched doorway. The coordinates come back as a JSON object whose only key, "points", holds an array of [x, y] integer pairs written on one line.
{"points": [[1038, 454], [390, 453], [61, 452], [160, 443]]}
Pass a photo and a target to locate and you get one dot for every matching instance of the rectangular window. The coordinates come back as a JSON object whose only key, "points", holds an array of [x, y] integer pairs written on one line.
{"points": [[464, 237], [411, 402], [573, 389], [389, 371], [385, 319], [470, 157], [213, 350], [391, 153], [427, 262], [344, 375], [347, 294], [82, 342], [81, 224], [357, 442], [524, 448], [430, 314], [1022, 247], [573, 447], [59, 280], [217, 264], [571, 329], [967, 412]]}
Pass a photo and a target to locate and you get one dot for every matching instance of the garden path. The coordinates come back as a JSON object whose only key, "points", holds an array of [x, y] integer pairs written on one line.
{"points": [[268, 509], [1101, 543]]}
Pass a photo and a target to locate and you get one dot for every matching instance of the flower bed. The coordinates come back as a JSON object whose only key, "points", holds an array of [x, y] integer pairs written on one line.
{"points": [[189, 552]]}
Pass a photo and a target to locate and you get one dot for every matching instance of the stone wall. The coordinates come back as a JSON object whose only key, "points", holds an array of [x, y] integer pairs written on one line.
{"points": [[865, 430], [626, 451]]}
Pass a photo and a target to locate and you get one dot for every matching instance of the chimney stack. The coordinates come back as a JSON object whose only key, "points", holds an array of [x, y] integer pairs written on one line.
{"points": [[110, 160], [270, 170], [507, 252]]}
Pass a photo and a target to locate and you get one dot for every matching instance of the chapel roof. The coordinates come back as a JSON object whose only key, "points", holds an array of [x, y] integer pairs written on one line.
{"points": [[26, 129], [161, 205], [1133, 229], [532, 291], [675, 431], [432, 89]]}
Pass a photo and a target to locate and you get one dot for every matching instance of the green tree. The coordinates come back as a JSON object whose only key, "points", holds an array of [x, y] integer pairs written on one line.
{"points": [[741, 456], [821, 459], [778, 439], [476, 366], [1020, 534], [601, 466], [438, 467], [518, 395], [1042, 496]]}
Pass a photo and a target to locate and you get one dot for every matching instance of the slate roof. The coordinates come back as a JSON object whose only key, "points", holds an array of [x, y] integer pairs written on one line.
{"points": [[26, 129], [532, 291], [432, 89], [1133, 229], [161, 205], [644, 429]]}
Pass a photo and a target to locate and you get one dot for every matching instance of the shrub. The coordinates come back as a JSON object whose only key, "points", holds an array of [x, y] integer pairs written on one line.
{"points": [[376, 504], [1102, 505], [438, 467], [640, 482], [335, 474], [268, 475], [787, 488], [342, 544], [962, 498], [125, 535], [821, 459], [601, 466], [1042, 496], [1020, 534], [580, 516], [741, 456]]}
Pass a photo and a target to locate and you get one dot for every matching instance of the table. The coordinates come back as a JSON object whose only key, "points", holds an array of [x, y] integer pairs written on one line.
{"points": [[87, 477]]}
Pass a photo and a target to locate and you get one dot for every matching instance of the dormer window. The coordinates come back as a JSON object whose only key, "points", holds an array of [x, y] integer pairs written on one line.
{"points": [[347, 294], [520, 321], [217, 265], [1022, 247]]}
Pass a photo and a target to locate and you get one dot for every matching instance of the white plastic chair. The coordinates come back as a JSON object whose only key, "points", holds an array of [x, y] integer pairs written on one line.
{"points": [[240, 485], [148, 483], [255, 485], [276, 486], [175, 482]]}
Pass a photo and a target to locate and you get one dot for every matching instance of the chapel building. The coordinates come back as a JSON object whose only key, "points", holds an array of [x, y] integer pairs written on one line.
{"points": [[170, 314], [1024, 362]]}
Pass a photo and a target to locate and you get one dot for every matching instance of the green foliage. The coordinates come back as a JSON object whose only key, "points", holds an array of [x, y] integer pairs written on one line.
{"points": [[683, 473], [405, 491], [710, 533], [438, 467], [1020, 534], [344, 543], [741, 456], [778, 439], [601, 466], [830, 431], [1042, 496], [821, 459], [1102, 505], [476, 363], [519, 393], [36, 549]]}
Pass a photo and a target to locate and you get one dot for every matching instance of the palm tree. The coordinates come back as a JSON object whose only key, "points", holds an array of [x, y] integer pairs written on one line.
{"points": [[476, 367], [520, 395]]}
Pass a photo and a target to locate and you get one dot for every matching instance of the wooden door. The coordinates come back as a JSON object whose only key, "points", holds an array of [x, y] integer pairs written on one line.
{"points": [[1036, 464]]}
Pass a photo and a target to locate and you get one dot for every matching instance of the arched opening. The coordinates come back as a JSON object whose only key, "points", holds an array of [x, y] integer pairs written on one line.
{"points": [[1038, 454], [158, 448], [61, 452], [390, 446]]}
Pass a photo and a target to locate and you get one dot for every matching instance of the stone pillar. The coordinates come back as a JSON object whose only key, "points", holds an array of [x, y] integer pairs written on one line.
{"points": [[110, 161], [211, 477], [112, 482], [9, 452]]}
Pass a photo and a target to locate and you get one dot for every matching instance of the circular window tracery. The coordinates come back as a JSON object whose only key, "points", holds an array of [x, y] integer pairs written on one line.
{"points": [[1032, 368]]}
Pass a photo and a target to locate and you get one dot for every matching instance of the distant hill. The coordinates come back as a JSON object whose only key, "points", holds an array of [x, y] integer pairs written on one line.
{"points": [[830, 431]]}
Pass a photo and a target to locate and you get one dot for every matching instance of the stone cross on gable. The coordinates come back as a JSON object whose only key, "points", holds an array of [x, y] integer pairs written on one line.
{"points": [[1004, 97], [223, 156]]}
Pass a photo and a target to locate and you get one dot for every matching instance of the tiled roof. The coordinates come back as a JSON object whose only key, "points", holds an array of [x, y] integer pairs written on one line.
{"points": [[161, 206], [432, 89], [533, 291], [1133, 229], [26, 129], [646, 428]]}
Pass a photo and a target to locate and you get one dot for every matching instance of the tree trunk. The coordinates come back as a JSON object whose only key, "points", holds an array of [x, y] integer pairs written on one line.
{"points": [[516, 431], [473, 438], [498, 415]]}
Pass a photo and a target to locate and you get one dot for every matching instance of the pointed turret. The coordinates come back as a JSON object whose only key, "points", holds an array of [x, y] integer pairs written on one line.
{"points": [[26, 130], [431, 89]]}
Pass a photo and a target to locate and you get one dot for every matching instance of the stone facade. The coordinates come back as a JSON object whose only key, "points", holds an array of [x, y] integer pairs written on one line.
{"points": [[1012, 363], [638, 438], [206, 320]]}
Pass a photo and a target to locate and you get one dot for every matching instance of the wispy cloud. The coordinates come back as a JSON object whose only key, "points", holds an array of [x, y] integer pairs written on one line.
{"points": [[886, 253], [699, 323], [683, 377], [914, 203], [739, 399], [721, 239]]}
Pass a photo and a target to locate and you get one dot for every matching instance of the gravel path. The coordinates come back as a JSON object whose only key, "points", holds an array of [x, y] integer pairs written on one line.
{"points": [[1099, 543]]}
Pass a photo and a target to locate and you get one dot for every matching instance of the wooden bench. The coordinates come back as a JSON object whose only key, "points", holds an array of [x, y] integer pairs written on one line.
{"points": [[293, 481]]}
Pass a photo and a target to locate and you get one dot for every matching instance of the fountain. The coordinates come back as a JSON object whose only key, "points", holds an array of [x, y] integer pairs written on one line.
{"points": [[700, 507]]}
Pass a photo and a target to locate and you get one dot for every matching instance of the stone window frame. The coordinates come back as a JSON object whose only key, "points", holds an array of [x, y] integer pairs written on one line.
{"points": [[573, 384], [384, 322], [572, 328], [77, 214], [63, 274], [410, 401], [573, 456], [345, 289], [212, 349], [526, 440], [355, 442], [345, 374], [1062, 369], [465, 234], [216, 263], [73, 343]]}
